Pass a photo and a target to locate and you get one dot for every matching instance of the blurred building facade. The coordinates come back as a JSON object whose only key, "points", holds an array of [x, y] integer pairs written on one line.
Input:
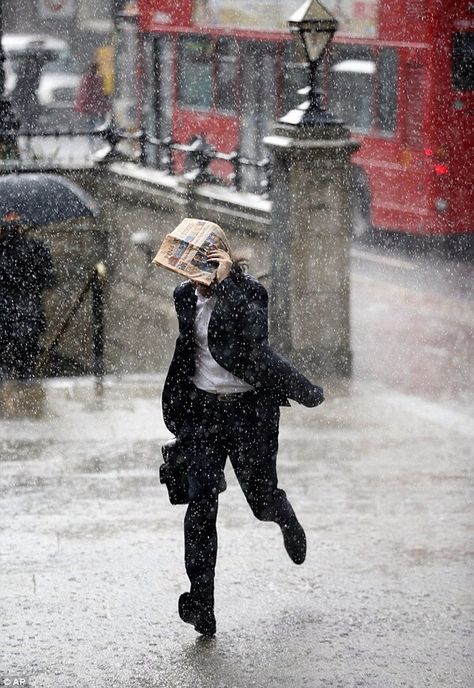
{"points": [[86, 24]]}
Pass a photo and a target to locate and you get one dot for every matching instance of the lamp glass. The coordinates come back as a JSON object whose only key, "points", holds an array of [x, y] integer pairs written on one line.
{"points": [[315, 42]]}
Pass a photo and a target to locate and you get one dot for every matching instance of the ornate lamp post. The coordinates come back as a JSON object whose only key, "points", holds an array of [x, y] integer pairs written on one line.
{"points": [[9, 123], [315, 27], [311, 218]]}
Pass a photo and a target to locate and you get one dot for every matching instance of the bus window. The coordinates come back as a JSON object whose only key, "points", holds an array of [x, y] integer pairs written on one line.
{"points": [[164, 69], [149, 105], [351, 86], [258, 104], [414, 109], [387, 66], [125, 81], [463, 61], [195, 72], [295, 78], [226, 98], [267, 106], [157, 100]]}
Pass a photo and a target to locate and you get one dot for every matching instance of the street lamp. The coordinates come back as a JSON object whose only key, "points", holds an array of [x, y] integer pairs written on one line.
{"points": [[9, 123], [315, 27]]}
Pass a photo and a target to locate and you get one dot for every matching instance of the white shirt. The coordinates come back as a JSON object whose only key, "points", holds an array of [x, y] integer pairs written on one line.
{"points": [[209, 375]]}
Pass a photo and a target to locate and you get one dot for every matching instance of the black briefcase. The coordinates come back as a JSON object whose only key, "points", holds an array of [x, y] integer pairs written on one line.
{"points": [[174, 472]]}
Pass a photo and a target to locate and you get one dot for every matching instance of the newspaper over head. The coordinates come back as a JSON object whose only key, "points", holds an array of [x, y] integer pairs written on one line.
{"points": [[185, 249]]}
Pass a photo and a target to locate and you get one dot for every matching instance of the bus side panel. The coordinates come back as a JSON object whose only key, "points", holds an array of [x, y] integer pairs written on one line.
{"points": [[420, 180], [399, 177], [220, 130]]}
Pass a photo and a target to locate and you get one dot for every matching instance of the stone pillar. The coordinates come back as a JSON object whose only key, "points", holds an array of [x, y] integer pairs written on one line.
{"points": [[311, 239]]}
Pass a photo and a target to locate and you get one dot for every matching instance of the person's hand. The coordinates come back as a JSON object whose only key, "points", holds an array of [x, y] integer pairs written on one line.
{"points": [[224, 261]]}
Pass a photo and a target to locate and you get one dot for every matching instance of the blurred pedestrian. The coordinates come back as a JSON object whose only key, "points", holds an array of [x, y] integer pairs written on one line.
{"points": [[26, 270], [25, 93], [221, 398], [91, 101]]}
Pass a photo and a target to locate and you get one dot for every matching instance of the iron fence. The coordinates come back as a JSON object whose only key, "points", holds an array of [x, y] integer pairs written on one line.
{"points": [[77, 148]]}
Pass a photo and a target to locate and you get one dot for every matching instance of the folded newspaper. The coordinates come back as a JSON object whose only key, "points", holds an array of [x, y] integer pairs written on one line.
{"points": [[185, 249]]}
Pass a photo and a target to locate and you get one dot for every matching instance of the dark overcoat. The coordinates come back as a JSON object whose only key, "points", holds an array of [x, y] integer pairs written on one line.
{"points": [[238, 341], [26, 269]]}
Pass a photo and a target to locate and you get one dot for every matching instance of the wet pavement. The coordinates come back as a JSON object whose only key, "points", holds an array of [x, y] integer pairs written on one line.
{"points": [[380, 476], [413, 323], [92, 551]]}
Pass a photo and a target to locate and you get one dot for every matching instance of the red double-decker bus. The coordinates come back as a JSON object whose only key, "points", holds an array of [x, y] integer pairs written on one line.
{"points": [[400, 74]]}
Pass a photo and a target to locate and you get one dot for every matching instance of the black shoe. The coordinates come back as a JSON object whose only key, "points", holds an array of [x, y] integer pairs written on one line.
{"points": [[197, 614], [294, 540]]}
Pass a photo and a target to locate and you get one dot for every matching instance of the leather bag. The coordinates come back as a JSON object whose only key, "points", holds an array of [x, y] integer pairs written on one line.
{"points": [[174, 472]]}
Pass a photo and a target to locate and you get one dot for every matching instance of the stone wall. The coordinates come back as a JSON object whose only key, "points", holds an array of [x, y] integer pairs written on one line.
{"points": [[141, 322], [140, 317], [75, 246]]}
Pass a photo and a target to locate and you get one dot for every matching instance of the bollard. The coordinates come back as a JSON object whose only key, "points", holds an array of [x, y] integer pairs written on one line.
{"points": [[97, 288], [311, 239]]}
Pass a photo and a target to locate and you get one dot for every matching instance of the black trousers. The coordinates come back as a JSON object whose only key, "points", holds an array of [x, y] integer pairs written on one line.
{"points": [[246, 430]]}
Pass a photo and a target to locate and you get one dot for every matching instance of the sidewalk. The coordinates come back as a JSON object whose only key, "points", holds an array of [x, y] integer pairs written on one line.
{"points": [[92, 551]]}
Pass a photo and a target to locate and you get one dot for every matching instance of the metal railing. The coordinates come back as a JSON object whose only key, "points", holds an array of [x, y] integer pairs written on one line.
{"points": [[94, 284], [40, 149], [199, 155], [43, 147]]}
